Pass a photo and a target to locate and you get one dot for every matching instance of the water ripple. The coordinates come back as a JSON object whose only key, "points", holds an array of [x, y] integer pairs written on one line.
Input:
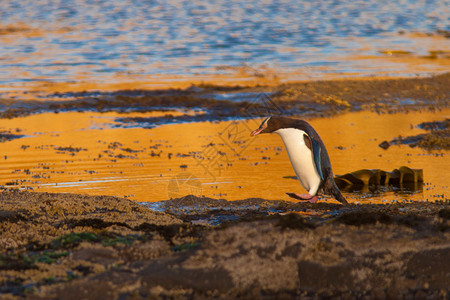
{"points": [[90, 38]]}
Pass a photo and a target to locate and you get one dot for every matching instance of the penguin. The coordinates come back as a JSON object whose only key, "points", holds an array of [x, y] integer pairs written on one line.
{"points": [[308, 156]]}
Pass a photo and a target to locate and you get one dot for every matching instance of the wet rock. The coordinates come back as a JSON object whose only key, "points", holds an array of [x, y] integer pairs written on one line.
{"points": [[385, 145]]}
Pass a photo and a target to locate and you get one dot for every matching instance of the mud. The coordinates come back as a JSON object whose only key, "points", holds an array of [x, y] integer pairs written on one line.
{"points": [[67, 246]]}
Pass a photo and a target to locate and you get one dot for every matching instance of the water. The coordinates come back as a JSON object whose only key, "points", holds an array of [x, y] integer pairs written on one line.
{"points": [[85, 152], [114, 41], [65, 46]]}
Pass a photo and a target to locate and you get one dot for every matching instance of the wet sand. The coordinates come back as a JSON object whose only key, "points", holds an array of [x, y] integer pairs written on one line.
{"points": [[67, 246]]}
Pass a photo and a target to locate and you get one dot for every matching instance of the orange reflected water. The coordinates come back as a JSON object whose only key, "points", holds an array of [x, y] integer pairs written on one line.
{"points": [[84, 152]]}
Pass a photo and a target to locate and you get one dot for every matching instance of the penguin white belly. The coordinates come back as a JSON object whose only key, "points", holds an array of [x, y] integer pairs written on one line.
{"points": [[301, 158]]}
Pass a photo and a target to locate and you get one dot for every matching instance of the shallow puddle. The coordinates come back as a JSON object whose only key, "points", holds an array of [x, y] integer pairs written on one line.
{"points": [[89, 152]]}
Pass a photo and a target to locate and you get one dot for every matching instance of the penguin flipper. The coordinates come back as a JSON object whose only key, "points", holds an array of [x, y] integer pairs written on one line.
{"points": [[314, 146], [316, 153]]}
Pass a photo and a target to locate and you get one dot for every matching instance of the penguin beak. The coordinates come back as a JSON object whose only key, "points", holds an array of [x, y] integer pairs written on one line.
{"points": [[258, 131]]}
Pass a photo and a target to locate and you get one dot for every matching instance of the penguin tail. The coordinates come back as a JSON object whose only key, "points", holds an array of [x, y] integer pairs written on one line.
{"points": [[338, 196], [332, 189]]}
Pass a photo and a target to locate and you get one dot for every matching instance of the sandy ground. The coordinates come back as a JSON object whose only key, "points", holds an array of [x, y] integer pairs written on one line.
{"points": [[67, 246]]}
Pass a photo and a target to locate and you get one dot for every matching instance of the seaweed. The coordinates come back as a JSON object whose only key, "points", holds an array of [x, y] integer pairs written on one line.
{"points": [[403, 177]]}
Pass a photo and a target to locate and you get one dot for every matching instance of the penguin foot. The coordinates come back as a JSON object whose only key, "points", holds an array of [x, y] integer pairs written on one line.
{"points": [[303, 197]]}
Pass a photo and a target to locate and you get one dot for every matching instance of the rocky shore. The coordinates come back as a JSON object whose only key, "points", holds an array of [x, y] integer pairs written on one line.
{"points": [[68, 246]]}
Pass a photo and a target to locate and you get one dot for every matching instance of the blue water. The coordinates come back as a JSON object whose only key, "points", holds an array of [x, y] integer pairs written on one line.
{"points": [[87, 39]]}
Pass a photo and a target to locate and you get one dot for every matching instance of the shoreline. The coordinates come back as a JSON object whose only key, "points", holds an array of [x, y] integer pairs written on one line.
{"points": [[181, 82], [319, 96], [67, 246]]}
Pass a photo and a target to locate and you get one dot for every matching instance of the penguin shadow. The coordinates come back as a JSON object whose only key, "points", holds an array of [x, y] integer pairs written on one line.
{"points": [[375, 181]]}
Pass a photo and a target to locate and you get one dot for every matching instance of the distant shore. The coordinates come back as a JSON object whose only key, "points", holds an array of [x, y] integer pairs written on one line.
{"points": [[371, 93]]}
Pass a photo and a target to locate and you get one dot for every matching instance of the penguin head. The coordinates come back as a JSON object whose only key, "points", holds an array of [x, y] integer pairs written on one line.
{"points": [[263, 128], [273, 123]]}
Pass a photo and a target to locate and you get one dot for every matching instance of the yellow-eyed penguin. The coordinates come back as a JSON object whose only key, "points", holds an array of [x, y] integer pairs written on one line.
{"points": [[307, 154]]}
